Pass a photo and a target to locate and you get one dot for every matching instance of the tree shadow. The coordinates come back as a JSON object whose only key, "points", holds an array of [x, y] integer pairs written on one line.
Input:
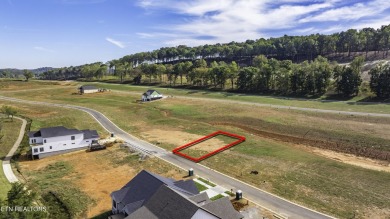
{"points": [[337, 97], [374, 100], [193, 92]]}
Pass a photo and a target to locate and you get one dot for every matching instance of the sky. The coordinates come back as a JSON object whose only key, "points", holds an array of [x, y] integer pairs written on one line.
{"points": [[59, 33]]}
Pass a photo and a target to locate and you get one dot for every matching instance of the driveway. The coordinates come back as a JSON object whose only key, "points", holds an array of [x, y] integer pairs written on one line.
{"points": [[9, 174]]}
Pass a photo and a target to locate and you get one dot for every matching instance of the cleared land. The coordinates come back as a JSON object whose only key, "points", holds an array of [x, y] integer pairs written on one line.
{"points": [[281, 144], [96, 174]]}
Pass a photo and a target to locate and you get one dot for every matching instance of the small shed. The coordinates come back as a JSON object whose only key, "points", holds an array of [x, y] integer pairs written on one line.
{"points": [[87, 89], [151, 95]]}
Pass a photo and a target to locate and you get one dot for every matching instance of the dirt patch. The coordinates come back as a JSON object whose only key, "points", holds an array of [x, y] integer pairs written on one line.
{"points": [[354, 160], [374, 212], [327, 145], [93, 175], [179, 138]]}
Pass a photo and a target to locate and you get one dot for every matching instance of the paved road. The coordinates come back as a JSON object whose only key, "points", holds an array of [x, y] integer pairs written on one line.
{"points": [[265, 199], [9, 174]]}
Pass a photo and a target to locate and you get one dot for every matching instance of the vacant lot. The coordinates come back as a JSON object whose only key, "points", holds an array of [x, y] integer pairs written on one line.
{"points": [[180, 138], [285, 146]]}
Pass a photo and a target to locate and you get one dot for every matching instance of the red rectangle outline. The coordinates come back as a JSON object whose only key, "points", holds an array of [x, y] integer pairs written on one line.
{"points": [[198, 159]]}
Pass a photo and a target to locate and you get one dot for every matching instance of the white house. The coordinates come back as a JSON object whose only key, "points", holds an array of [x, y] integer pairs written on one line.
{"points": [[58, 140], [151, 95], [87, 89]]}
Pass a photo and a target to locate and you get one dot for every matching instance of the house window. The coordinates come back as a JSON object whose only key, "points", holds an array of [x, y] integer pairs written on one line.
{"points": [[64, 144], [35, 150], [41, 149], [114, 203], [51, 147], [86, 141], [34, 141], [73, 143], [44, 141], [72, 138]]}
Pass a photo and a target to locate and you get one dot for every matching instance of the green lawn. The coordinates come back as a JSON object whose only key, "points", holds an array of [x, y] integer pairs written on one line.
{"points": [[216, 197], [200, 187], [207, 182]]}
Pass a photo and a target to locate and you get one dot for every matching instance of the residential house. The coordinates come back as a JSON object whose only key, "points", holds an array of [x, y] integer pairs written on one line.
{"points": [[150, 196], [87, 89], [151, 95], [58, 140]]}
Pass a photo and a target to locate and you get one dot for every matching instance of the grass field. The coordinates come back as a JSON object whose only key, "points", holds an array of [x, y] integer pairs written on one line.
{"points": [[354, 104], [281, 144], [10, 130], [53, 116], [351, 105]]}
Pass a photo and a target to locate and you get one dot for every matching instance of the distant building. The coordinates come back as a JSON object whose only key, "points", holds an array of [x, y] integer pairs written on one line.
{"points": [[151, 95], [59, 140], [150, 196], [87, 89]]}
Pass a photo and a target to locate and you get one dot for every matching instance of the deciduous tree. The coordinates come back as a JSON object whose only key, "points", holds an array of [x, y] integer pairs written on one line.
{"points": [[9, 111], [27, 74]]}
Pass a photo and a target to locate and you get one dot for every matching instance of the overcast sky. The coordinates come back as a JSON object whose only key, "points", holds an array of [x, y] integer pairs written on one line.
{"points": [[58, 33]]}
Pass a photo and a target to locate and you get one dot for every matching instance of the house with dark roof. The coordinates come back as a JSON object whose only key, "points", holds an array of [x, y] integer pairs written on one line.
{"points": [[151, 95], [87, 89], [58, 140], [150, 196]]}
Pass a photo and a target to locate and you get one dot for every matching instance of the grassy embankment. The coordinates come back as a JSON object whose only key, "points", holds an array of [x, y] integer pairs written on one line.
{"points": [[10, 132], [286, 169]]}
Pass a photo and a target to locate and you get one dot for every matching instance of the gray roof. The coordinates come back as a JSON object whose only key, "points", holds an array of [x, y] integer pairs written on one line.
{"points": [[142, 212], [166, 203], [223, 208], [188, 185], [149, 92], [201, 199], [53, 132], [88, 134], [150, 196], [138, 191], [116, 216], [33, 134], [88, 87]]}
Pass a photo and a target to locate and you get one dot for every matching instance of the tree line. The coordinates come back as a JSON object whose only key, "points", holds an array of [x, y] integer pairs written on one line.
{"points": [[266, 75], [271, 64], [295, 48]]}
